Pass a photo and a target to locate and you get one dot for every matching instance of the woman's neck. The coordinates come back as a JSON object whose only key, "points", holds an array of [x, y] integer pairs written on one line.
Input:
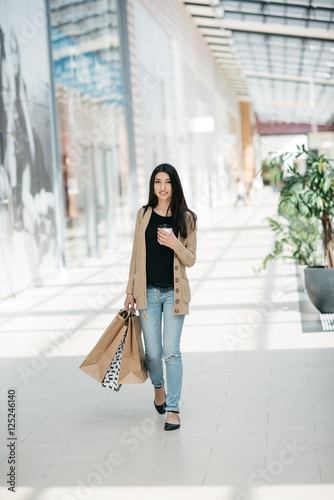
{"points": [[162, 208]]}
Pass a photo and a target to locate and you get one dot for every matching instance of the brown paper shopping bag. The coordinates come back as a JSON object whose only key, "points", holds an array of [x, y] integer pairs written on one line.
{"points": [[98, 360], [133, 369]]}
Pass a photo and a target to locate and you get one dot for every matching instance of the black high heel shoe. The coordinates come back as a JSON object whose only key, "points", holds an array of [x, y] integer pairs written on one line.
{"points": [[161, 408], [172, 427]]}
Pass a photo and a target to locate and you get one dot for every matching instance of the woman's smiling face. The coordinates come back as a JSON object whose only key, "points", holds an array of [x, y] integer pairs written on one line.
{"points": [[163, 186]]}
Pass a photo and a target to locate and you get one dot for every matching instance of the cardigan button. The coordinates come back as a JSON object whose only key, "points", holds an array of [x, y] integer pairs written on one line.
{"points": [[176, 310], [177, 280], [177, 290], [177, 301], [176, 268]]}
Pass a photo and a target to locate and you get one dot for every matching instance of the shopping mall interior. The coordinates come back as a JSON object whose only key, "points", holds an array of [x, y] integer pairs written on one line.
{"points": [[100, 92], [94, 94]]}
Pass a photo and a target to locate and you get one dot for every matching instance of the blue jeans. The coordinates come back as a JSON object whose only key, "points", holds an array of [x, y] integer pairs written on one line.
{"points": [[160, 303]]}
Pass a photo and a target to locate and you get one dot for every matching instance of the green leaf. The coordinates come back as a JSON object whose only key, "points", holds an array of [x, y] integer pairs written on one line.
{"points": [[327, 184], [303, 197]]}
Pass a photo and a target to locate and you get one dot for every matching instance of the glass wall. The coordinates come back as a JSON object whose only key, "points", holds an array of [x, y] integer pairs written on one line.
{"points": [[155, 93], [28, 205], [184, 109], [92, 132], [80, 172]]}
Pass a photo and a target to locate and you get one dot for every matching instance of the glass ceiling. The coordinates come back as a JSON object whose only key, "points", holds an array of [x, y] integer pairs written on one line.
{"points": [[277, 54]]}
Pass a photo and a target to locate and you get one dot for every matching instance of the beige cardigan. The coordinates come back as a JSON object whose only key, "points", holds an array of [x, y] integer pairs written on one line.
{"points": [[184, 255]]}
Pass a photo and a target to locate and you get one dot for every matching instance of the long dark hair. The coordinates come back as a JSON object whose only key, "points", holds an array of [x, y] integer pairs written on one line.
{"points": [[183, 217]]}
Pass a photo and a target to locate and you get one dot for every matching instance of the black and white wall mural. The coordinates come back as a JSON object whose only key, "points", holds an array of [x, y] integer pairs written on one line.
{"points": [[28, 247]]}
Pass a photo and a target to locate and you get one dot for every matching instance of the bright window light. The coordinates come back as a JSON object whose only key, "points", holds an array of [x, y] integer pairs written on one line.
{"points": [[323, 75]]}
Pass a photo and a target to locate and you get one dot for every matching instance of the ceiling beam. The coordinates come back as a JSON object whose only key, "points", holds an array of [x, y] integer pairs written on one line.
{"points": [[250, 13], [205, 17], [278, 16], [194, 4], [217, 28], [274, 2], [289, 78], [227, 64], [218, 44], [287, 103], [291, 4], [214, 29], [277, 29], [219, 37], [223, 49]]}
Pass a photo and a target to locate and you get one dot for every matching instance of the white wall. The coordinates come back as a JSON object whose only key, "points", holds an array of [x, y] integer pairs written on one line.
{"points": [[280, 144], [175, 80]]}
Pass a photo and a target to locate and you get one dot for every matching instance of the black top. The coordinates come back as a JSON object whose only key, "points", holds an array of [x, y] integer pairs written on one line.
{"points": [[159, 258]]}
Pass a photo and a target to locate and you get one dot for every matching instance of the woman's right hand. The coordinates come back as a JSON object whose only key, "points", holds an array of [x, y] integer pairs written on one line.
{"points": [[129, 301]]}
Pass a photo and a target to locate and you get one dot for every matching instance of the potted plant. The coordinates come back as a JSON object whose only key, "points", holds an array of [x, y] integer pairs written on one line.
{"points": [[308, 194], [297, 238]]}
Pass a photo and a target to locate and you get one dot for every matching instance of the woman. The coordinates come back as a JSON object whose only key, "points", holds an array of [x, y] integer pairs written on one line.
{"points": [[159, 286]]}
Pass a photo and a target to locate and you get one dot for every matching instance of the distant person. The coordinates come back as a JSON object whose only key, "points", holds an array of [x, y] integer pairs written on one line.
{"points": [[257, 184], [248, 189], [158, 283], [240, 192]]}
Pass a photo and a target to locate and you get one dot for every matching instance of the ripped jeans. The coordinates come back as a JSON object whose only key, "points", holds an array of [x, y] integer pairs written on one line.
{"points": [[158, 346]]}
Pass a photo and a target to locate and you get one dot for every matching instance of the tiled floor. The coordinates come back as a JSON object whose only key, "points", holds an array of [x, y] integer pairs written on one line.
{"points": [[257, 403]]}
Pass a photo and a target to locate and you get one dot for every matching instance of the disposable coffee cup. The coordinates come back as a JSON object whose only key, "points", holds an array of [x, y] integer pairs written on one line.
{"points": [[166, 227]]}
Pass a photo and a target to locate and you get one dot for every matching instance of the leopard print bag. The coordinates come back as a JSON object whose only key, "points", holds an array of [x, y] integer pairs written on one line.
{"points": [[111, 377]]}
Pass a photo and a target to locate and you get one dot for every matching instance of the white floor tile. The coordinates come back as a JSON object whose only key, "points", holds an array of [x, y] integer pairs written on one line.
{"points": [[240, 403]]}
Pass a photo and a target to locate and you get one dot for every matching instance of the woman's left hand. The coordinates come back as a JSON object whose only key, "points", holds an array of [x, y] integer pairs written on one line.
{"points": [[165, 238]]}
